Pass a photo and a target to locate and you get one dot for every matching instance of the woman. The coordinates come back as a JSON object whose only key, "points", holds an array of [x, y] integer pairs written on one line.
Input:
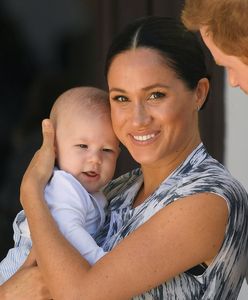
{"points": [[176, 227]]}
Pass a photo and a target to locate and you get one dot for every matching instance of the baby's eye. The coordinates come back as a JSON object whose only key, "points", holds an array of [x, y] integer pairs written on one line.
{"points": [[120, 98], [157, 95], [84, 146]]}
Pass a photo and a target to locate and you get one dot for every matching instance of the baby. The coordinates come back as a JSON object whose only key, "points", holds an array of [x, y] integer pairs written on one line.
{"points": [[86, 154]]}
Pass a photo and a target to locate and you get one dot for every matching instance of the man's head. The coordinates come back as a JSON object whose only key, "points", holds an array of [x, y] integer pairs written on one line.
{"points": [[86, 145], [224, 29]]}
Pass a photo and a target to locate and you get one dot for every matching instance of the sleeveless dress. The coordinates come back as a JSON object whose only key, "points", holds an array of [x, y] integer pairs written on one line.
{"points": [[199, 173]]}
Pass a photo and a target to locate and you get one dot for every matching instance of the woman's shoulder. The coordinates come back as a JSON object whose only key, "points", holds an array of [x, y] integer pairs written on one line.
{"points": [[202, 170], [214, 176], [201, 173]]}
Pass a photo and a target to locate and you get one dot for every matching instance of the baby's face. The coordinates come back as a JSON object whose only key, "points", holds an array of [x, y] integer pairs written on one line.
{"points": [[87, 147]]}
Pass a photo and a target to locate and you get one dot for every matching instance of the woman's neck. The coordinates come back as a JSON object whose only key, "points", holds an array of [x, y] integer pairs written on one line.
{"points": [[156, 173]]}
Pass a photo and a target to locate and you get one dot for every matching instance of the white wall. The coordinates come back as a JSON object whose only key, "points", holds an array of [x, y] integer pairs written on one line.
{"points": [[236, 143]]}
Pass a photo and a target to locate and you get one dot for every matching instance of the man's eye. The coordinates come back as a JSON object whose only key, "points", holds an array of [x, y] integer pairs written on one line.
{"points": [[157, 95], [120, 98]]}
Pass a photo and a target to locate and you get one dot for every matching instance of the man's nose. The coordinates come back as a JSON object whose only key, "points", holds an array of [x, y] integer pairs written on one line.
{"points": [[232, 79]]}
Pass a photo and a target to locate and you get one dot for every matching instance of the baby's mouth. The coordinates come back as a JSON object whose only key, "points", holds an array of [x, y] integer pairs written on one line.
{"points": [[90, 174]]}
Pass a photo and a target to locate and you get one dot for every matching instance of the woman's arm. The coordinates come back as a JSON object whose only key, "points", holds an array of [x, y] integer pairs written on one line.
{"points": [[166, 245]]}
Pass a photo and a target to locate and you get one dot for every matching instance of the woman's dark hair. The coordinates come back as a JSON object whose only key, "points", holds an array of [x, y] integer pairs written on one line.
{"points": [[179, 47]]}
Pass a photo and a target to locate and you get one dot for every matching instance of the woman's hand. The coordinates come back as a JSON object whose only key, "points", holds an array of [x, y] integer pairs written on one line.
{"points": [[41, 166], [26, 284]]}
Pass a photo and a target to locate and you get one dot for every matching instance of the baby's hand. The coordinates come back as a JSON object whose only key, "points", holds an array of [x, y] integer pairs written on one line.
{"points": [[41, 166]]}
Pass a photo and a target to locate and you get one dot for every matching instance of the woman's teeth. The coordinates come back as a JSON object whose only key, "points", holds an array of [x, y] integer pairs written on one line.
{"points": [[143, 137]]}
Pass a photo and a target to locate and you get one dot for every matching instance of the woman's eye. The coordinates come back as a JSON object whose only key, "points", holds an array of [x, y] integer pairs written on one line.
{"points": [[157, 95], [120, 98], [107, 150]]}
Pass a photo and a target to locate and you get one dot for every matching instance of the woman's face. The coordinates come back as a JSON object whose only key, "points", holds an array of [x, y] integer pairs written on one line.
{"points": [[154, 114]]}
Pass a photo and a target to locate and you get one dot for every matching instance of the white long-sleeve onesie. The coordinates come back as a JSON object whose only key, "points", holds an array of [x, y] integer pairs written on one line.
{"points": [[79, 216]]}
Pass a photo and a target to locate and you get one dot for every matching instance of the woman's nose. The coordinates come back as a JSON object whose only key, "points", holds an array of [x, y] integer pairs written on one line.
{"points": [[140, 115]]}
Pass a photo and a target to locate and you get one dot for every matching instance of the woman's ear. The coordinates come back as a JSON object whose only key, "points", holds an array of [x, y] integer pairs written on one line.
{"points": [[201, 92]]}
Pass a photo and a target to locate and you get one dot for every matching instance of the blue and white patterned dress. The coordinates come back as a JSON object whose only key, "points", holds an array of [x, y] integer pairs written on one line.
{"points": [[199, 173]]}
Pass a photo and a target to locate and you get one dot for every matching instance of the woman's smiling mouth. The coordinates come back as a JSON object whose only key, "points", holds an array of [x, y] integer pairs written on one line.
{"points": [[144, 138]]}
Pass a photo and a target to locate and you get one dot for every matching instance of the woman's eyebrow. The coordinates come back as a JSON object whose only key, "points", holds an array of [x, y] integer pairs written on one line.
{"points": [[146, 88], [155, 85], [117, 90]]}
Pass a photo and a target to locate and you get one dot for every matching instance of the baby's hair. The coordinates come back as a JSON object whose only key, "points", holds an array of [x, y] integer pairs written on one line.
{"points": [[76, 100]]}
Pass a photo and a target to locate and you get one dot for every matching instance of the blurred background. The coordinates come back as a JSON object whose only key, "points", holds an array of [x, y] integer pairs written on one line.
{"points": [[50, 46]]}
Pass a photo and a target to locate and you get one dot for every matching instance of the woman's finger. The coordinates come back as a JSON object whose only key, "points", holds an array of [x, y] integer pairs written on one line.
{"points": [[48, 134], [41, 166], [46, 154]]}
